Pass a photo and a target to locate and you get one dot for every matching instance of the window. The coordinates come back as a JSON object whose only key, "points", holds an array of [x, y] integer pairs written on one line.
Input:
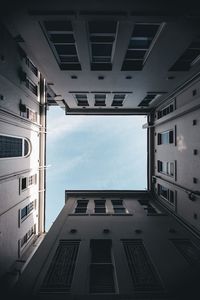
{"points": [[81, 207], [118, 207], [28, 181], [149, 208], [60, 273], [81, 99], [167, 168], [100, 100], [165, 111], [31, 86], [142, 271], [189, 251], [150, 97], [31, 66], [26, 210], [166, 137], [140, 45], [61, 39], [102, 36], [189, 58], [28, 113], [13, 147], [28, 235], [101, 267], [100, 207], [167, 194], [118, 99]]}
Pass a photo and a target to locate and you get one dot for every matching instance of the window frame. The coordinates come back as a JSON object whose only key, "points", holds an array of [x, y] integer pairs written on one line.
{"points": [[23, 146], [29, 182], [170, 137]]}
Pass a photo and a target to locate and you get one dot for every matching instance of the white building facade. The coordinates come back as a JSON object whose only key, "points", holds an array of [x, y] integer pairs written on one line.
{"points": [[22, 156]]}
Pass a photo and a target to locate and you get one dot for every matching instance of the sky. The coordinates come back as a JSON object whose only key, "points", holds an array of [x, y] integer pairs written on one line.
{"points": [[93, 152]]}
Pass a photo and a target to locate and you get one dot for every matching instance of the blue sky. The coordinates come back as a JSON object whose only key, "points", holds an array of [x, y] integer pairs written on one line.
{"points": [[93, 152]]}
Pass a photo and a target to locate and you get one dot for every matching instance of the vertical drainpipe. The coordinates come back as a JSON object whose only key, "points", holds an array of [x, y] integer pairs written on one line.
{"points": [[42, 158], [150, 150]]}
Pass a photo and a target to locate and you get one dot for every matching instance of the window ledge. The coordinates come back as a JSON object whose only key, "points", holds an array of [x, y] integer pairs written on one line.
{"points": [[100, 214], [123, 215], [79, 214], [157, 215]]}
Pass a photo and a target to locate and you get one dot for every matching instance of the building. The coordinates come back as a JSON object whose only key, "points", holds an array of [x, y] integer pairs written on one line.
{"points": [[114, 245], [133, 57], [22, 157]]}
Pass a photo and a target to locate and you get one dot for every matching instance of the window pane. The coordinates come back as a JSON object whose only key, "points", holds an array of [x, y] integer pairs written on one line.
{"points": [[10, 146]]}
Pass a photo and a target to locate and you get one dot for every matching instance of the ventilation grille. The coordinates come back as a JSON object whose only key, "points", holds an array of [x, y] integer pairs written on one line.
{"points": [[190, 251], [101, 267], [139, 46], [142, 271], [102, 35], [188, 58], [61, 39], [60, 274]]}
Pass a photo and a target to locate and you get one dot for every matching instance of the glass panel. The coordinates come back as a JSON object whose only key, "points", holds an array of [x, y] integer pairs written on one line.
{"points": [[10, 146]]}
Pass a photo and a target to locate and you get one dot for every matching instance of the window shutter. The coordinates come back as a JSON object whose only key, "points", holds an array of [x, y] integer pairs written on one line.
{"points": [[189, 250], [143, 273], [101, 268], [60, 274]]}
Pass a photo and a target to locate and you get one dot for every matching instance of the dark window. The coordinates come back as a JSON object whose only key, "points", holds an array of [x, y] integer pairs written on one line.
{"points": [[101, 267], [139, 45], [10, 146], [118, 207], [101, 37], [24, 183], [167, 194], [62, 42], [27, 236], [143, 273], [100, 207], [150, 210], [27, 209], [149, 98], [188, 58], [165, 111], [100, 100], [118, 99], [31, 86], [31, 66], [166, 168], [81, 207], [189, 250], [166, 137], [82, 100], [60, 273]]}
